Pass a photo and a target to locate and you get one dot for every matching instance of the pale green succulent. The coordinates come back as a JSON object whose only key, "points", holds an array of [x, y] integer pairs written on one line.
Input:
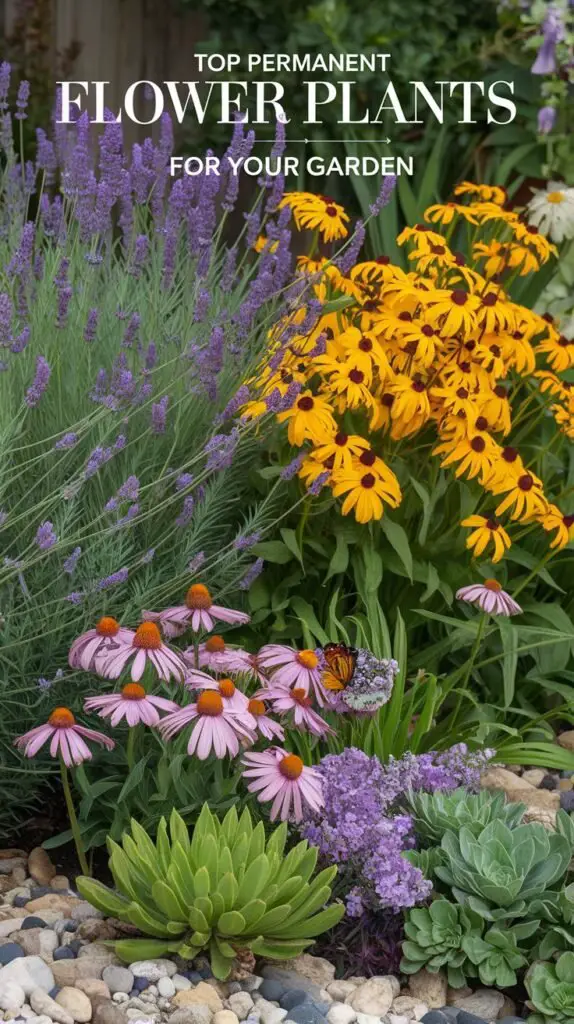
{"points": [[434, 814], [435, 938], [496, 957], [500, 871], [558, 909], [225, 889], [550, 987]]}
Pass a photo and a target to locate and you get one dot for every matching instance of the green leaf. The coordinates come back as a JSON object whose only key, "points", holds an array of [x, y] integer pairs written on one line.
{"points": [[273, 551], [339, 559], [509, 639], [398, 540]]}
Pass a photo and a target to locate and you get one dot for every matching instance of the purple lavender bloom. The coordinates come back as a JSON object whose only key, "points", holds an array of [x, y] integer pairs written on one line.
{"points": [[246, 541], [251, 575], [553, 29], [113, 580], [5, 70], [221, 449], [20, 264], [292, 468], [183, 481], [21, 341], [158, 415], [91, 326], [44, 684], [151, 356], [67, 441], [228, 273], [141, 250], [196, 562], [201, 306], [130, 334], [130, 489], [71, 561], [64, 299], [22, 100], [546, 120], [316, 487], [350, 256], [148, 557], [39, 384], [46, 536], [253, 221], [185, 516], [384, 197], [234, 405], [131, 514], [6, 314], [76, 597], [45, 156]]}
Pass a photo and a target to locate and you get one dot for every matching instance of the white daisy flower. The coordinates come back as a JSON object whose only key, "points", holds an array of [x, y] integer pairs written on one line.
{"points": [[551, 210]]}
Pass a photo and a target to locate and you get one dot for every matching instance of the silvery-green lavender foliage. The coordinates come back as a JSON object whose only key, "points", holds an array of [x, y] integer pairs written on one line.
{"points": [[128, 322], [434, 814]]}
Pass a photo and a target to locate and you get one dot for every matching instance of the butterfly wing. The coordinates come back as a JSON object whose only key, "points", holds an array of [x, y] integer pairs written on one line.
{"points": [[340, 661]]}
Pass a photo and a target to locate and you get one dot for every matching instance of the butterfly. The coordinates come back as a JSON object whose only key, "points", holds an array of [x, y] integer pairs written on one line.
{"points": [[341, 661]]}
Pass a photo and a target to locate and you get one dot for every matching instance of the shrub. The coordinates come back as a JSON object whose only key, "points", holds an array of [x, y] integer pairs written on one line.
{"points": [[224, 889]]}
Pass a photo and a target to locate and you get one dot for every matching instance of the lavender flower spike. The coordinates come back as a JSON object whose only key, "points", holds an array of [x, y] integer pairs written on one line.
{"points": [[39, 384], [45, 536], [383, 199]]}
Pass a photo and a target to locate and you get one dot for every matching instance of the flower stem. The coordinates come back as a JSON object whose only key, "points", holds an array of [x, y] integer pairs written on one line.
{"points": [[73, 819], [130, 747], [469, 667]]}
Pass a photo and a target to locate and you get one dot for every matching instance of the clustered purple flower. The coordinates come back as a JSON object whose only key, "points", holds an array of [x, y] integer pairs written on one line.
{"points": [[46, 536], [362, 829]]}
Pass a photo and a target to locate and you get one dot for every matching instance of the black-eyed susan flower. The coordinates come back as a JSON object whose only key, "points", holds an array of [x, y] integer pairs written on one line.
{"points": [[495, 254], [486, 193], [554, 519], [559, 351], [524, 497], [317, 213], [341, 449], [453, 310], [367, 493], [310, 418], [472, 455], [486, 532], [444, 213]]}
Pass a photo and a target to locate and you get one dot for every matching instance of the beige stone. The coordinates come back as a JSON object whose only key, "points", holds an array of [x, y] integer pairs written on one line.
{"points": [[76, 1003], [533, 776], [428, 988], [40, 866], [314, 968], [340, 990], [566, 739], [203, 994], [566, 784], [544, 815], [94, 988], [60, 882], [225, 1017], [53, 901], [375, 997]]}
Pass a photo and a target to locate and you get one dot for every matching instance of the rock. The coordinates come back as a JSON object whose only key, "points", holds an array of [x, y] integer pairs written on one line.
{"points": [[241, 1003], [12, 996], [153, 970], [53, 901], [60, 882], [76, 1003], [341, 990], [549, 782], [67, 972], [94, 988], [10, 951], [107, 1013], [95, 951], [64, 953], [291, 979], [30, 972], [397, 1018], [468, 1018], [37, 942], [374, 997], [367, 1018], [272, 990], [543, 799], [225, 1017], [567, 801], [198, 1014], [40, 866], [428, 988], [166, 987], [202, 995], [181, 983], [270, 1014], [435, 1017], [485, 1003], [326, 997], [33, 922], [508, 1008], [534, 776], [410, 1006], [315, 968], [501, 778], [511, 1020], [120, 997], [41, 1002], [544, 815], [251, 983], [306, 1013], [84, 911], [8, 865], [566, 739], [340, 1013], [12, 924], [564, 785], [96, 930], [290, 999], [118, 979]]}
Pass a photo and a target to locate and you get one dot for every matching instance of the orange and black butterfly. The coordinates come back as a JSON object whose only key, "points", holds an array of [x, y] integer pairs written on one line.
{"points": [[340, 661]]}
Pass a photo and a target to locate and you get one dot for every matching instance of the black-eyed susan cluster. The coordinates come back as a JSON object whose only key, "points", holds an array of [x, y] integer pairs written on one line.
{"points": [[438, 348]]}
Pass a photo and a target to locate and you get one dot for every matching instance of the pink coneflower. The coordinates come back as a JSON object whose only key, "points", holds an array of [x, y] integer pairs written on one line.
{"points": [[133, 704], [215, 726], [105, 639], [218, 657], [297, 701], [233, 698], [265, 724], [490, 597], [289, 667], [66, 736], [146, 648], [198, 613], [283, 778]]}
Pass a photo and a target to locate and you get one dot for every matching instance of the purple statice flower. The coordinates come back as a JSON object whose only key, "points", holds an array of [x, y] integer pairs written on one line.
{"points": [[240, 398], [140, 254], [22, 100], [46, 536], [292, 468], [130, 333], [76, 597], [71, 561], [39, 384], [251, 575], [220, 450], [196, 562], [546, 119], [91, 326], [158, 415], [384, 197], [186, 515], [69, 440], [113, 579], [246, 541], [183, 481]]}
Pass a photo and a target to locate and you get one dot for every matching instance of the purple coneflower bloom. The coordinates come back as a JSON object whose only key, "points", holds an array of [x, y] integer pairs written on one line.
{"points": [[489, 597], [66, 738], [133, 704]]}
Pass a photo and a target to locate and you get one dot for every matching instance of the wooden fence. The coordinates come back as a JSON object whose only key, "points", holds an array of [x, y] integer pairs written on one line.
{"points": [[118, 41]]}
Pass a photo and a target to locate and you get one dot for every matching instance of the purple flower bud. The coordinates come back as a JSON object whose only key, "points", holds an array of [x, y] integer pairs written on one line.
{"points": [[113, 580], [246, 541], [546, 120], [76, 597], [45, 536], [292, 468], [71, 561], [158, 415], [91, 326], [39, 384], [384, 197], [196, 562], [251, 575], [186, 514], [129, 491], [67, 441], [22, 100]]}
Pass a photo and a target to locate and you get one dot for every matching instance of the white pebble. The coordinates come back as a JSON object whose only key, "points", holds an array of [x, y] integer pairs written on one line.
{"points": [[340, 1013], [120, 997], [181, 983], [12, 996], [166, 987], [396, 1018]]}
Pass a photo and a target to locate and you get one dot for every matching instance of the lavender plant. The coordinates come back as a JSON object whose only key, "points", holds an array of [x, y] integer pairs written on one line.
{"points": [[128, 318]]}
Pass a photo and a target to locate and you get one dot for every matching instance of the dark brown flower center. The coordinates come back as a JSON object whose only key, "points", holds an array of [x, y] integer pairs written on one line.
{"points": [[357, 376], [459, 297], [478, 444], [526, 482], [367, 458], [305, 404], [368, 481]]}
